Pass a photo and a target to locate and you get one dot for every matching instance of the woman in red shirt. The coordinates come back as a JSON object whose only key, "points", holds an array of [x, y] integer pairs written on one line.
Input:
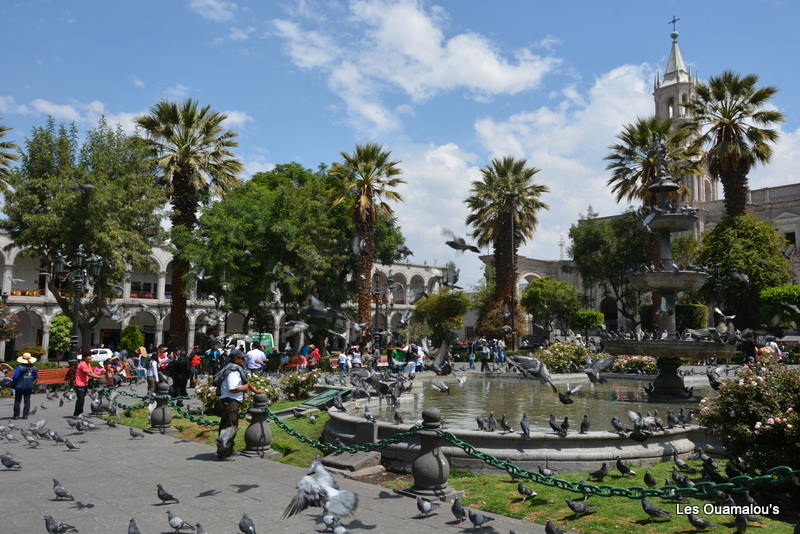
{"points": [[82, 376]]}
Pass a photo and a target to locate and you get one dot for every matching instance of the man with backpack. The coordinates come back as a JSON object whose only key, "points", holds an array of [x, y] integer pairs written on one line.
{"points": [[232, 384]]}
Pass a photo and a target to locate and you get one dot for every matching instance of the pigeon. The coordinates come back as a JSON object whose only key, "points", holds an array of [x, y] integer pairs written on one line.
{"points": [[544, 471], [504, 424], [165, 496], [580, 508], [600, 474], [551, 528], [585, 424], [565, 426], [740, 522], [71, 446], [338, 404], [397, 418], [61, 492], [624, 469], [536, 368], [458, 511], [462, 380], [594, 368], [557, 429], [132, 528], [478, 520], [135, 434], [321, 491], [525, 491], [525, 426], [458, 243], [368, 415], [491, 422], [566, 397], [653, 511], [650, 480], [617, 424], [9, 462], [57, 527], [312, 419], [200, 528], [177, 523], [683, 466], [438, 385], [338, 527], [246, 525], [481, 425], [700, 523], [425, 506]]}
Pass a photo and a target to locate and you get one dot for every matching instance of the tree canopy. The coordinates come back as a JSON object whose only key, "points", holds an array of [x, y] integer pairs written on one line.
{"points": [[98, 194], [603, 252], [550, 302], [753, 248], [442, 312]]}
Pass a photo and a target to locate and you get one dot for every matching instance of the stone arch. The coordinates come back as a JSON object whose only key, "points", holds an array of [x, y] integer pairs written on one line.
{"points": [[30, 326], [708, 190], [671, 108]]}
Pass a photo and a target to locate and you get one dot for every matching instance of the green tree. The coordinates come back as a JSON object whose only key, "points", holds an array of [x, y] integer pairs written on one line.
{"points": [[6, 157], [131, 338], [442, 313], [367, 176], [195, 164], [603, 252], [755, 249], [256, 245], [60, 335], [99, 194], [505, 199], [778, 304], [8, 323], [586, 320], [730, 117], [549, 301]]}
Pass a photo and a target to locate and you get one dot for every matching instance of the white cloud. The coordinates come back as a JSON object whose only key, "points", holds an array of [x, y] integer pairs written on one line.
{"points": [[58, 111], [177, 92], [237, 118], [240, 34], [8, 105], [216, 10], [782, 170], [402, 48], [255, 164], [135, 80]]}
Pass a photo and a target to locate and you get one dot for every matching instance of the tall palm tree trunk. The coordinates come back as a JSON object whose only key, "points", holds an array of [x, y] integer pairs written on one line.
{"points": [[736, 187], [184, 205], [364, 264]]}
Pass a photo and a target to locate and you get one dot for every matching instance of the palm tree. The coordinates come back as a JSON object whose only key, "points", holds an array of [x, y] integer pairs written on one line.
{"points": [[634, 163], [367, 177], [195, 163], [6, 156], [507, 198], [729, 117]]}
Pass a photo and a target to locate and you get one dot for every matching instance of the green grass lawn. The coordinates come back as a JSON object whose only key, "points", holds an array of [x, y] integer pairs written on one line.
{"points": [[497, 494]]}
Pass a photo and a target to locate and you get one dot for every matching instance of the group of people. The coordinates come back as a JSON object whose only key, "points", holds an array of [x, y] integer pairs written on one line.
{"points": [[487, 351]]}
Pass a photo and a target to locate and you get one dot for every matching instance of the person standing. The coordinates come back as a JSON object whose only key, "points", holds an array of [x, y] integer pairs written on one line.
{"points": [[313, 358], [24, 379], [152, 374], [197, 365], [256, 359], [82, 376], [180, 370], [749, 348], [213, 356], [234, 384]]}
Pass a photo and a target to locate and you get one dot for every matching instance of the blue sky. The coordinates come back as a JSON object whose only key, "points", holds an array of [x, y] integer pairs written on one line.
{"points": [[446, 86]]}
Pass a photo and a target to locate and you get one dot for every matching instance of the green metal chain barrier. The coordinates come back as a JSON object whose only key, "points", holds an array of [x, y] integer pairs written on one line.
{"points": [[775, 475]]}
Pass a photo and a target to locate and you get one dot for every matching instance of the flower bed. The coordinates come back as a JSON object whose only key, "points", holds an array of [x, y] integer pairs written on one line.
{"points": [[635, 365], [206, 392]]}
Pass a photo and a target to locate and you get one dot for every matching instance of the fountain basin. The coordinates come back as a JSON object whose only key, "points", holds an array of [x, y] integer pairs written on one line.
{"points": [[672, 222], [669, 349], [668, 281], [576, 453]]}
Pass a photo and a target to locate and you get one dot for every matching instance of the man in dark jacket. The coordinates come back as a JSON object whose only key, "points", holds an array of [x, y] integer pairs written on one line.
{"points": [[180, 370]]}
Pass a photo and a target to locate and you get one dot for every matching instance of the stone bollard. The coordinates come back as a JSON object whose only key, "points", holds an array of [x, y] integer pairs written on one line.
{"points": [[431, 469], [102, 409], [258, 435], [161, 417]]}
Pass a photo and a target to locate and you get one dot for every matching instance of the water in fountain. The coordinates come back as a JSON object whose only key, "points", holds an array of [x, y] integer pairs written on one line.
{"points": [[513, 396]]}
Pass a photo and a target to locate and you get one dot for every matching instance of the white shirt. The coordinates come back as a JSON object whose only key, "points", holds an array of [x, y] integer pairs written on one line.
{"points": [[232, 381], [256, 359], [152, 369]]}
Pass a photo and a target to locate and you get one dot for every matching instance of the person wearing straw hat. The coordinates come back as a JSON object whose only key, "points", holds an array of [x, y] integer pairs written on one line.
{"points": [[24, 380]]}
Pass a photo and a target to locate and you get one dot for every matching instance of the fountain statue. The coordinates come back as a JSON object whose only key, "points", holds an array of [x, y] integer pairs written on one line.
{"points": [[668, 279]]}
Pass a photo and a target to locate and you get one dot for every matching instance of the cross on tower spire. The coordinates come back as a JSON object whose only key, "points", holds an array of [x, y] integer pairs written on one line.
{"points": [[673, 21]]}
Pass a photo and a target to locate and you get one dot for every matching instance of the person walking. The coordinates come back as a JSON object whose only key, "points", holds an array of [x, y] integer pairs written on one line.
{"points": [[234, 384], [24, 380], [212, 357], [180, 371], [82, 375], [256, 359]]}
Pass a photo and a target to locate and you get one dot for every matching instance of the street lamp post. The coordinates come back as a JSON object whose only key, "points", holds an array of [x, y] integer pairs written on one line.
{"points": [[79, 277], [511, 197]]}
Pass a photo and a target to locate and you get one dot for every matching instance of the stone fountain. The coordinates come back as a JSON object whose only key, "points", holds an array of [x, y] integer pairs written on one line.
{"points": [[668, 280]]}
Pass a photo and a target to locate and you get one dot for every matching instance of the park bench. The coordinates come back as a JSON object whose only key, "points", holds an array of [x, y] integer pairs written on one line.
{"points": [[294, 361], [49, 377]]}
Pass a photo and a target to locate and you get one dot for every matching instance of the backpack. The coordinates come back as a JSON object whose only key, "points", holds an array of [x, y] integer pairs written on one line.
{"points": [[220, 377], [25, 380]]}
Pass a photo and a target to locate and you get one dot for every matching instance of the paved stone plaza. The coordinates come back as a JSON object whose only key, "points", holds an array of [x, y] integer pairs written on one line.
{"points": [[113, 478]]}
